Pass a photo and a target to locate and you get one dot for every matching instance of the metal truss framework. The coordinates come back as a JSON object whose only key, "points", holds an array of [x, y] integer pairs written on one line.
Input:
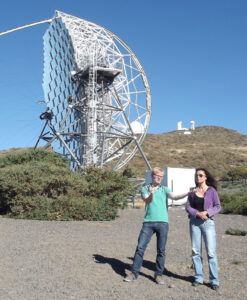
{"points": [[96, 91]]}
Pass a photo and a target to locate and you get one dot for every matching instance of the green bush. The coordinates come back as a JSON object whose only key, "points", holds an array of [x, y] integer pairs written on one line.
{"points": [[129, 172], [44, 188], [234, 203], [21, 156], [237, 232]]}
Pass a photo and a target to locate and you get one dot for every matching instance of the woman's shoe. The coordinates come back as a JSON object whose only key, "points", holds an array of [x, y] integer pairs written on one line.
{"points": [[214, 287]]}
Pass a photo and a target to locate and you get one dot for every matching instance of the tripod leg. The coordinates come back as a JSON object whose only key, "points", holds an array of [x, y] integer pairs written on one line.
{"points": [[41, 134]]}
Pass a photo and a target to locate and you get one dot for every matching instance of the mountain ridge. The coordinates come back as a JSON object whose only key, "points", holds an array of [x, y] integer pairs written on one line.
{"points": [[213, 147], [216, 148]]}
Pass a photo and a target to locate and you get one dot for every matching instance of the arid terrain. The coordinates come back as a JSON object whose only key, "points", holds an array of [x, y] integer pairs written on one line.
{"points": [[216, 148], [43, 260]]}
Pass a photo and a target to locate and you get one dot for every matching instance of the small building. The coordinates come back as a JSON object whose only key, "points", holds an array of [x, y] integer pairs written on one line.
{"points": [[179, 180], [192, 125], [184, 129], [180, 126], [137, 127]]}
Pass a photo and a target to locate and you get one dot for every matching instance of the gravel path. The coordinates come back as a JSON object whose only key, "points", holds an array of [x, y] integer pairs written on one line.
{"points": [[87, 260]]}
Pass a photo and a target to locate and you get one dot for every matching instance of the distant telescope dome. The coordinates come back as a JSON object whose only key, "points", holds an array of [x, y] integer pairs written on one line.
{"points": [[137, 127]]}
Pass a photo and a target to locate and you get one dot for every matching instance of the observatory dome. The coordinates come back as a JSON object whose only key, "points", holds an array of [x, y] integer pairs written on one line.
{"points": [[137, 127]]}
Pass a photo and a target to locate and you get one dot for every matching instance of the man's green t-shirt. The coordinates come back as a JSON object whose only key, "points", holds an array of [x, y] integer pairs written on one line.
{"points": [[156, 211]]}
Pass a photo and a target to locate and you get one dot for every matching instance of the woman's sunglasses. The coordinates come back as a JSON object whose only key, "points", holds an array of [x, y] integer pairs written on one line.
{"points": [[200, 175]]}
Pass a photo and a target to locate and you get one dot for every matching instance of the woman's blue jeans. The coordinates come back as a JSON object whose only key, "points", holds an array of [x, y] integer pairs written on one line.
{"points": [[204, 229], [148, 229]]}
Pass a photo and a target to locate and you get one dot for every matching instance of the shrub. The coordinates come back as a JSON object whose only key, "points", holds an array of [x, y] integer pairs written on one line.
{"points": [[44, 188], [21, 156], [129, 172], [235, 203], [238, 232]]}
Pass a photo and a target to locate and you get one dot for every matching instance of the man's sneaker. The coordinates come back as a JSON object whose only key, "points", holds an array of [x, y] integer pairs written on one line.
{"points": [[159, 279], [196, 283], [130, 277]]}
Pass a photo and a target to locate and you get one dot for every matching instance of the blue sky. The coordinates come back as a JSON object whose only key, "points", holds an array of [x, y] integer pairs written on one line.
{"points": [[194, 53]]}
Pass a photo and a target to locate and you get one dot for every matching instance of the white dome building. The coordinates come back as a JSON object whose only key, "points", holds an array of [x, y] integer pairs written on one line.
{"points": [[137, 127]]}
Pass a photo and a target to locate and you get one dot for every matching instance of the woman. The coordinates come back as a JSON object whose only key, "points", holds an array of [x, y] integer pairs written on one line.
{"points": [[202, 205]]}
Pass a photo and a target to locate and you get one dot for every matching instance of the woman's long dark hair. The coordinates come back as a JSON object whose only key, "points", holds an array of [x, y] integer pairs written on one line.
{"points": [[210, 181]]}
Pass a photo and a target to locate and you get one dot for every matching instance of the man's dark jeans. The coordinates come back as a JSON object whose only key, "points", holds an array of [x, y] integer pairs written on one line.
{"points": [[148, 229]]}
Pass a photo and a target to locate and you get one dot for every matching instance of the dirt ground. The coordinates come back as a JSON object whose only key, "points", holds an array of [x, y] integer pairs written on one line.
{"points": [[88, 260]]}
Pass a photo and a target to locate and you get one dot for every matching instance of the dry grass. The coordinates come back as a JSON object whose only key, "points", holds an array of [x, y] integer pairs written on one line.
{"points": [[216, 148], [213, 147]]}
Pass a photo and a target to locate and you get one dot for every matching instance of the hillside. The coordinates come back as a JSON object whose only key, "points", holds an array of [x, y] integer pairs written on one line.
{"points": [[216, 148]]}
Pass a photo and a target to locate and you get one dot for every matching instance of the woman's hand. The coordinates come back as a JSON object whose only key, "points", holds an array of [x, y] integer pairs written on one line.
{"points": [[203, 215]]}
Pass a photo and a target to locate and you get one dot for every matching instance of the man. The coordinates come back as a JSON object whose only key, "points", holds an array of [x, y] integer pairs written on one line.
{"points": [[155, 221]]}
